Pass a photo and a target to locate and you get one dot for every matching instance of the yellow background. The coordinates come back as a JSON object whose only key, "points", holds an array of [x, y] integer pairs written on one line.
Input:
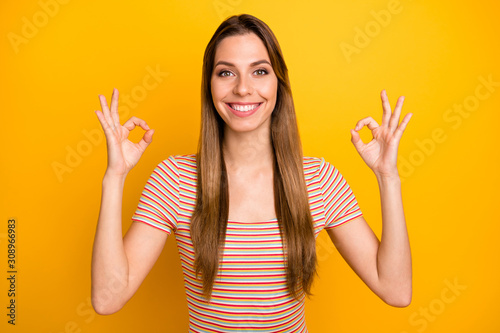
{"points": [[434, 53]]}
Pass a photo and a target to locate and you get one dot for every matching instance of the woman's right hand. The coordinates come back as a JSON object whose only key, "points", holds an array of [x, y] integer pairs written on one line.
{"points": [[123, 154]]}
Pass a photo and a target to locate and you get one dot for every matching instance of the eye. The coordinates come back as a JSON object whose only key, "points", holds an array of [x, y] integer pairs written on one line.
{"points": [[224, 73], [261, 70]]}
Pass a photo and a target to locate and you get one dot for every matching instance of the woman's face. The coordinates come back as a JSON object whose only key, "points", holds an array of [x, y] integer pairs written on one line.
{"points": [[244, 85]]}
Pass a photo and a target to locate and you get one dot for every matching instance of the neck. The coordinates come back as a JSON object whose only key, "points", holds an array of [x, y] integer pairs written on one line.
{"points": [[248, 150]]}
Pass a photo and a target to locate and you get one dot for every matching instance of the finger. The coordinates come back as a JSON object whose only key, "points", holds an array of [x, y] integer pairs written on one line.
{"points": [[102, 120], [356, 140], [147, 138], [368, 121], [133, 122], [401, 128], [386, 106], [393, 123], [114, 108], [105, 111]]}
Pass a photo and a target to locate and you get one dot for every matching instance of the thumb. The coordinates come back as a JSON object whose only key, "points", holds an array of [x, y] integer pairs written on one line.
{"points": [[356, 140]]}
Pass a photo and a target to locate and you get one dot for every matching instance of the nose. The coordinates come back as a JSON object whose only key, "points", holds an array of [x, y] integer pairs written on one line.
{"points": [[244, 86]]}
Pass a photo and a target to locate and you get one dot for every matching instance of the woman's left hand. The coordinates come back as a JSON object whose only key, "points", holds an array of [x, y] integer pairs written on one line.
{"points": [[381, 153]]}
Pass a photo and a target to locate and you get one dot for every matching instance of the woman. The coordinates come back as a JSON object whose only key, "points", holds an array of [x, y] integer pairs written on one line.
{"points": [[246, 209]]}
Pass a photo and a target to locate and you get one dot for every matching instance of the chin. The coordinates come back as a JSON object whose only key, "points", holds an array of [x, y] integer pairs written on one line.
{"points": [[248, 127], [241, 129]]}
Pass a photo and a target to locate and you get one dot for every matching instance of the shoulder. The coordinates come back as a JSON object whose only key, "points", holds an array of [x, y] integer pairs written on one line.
{"points": [[180, 161], [175, 165], [317, 171], [186, 161], [315, 165]]}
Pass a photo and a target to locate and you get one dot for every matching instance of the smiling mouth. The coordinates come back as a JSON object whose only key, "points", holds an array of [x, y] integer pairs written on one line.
{"points": [[243, 108]]}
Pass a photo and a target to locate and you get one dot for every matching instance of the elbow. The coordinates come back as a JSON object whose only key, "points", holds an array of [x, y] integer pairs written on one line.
{"points": [[399, 303], [104, 306], [399, 300], [103, 311], [108, 298], [397, 293]]}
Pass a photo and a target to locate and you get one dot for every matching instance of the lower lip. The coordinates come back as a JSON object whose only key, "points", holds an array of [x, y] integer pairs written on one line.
{"points": [[241, 113]]}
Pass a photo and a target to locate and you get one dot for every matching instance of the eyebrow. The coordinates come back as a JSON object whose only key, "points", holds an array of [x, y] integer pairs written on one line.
{"points": [[255, 63]]}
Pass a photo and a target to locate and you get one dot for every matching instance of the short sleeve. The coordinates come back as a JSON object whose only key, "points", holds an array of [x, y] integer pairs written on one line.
{"points": [[159, 202], [339, 202]]}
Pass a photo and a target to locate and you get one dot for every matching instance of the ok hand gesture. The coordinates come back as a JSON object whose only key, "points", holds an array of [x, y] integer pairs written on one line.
{"points": [[380, 154], [123, 154]]}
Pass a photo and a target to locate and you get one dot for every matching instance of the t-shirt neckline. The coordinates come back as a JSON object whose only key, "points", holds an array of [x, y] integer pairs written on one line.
{"points": [[269, 220]]}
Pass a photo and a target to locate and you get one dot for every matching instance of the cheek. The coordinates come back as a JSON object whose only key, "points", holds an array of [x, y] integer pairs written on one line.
{"points": [[213, 89], [217, 95], [219, 90], [270, 89]]}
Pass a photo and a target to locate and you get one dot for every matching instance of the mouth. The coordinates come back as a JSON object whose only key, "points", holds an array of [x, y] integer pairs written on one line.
{"points": [[242, 110], [243, 107]]}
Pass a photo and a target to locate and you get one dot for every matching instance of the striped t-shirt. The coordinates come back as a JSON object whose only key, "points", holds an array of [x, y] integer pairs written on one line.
{"points": [[249, 293]]}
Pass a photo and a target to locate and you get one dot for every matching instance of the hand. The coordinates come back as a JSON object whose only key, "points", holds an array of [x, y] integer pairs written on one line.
{"points": [[380, 154], [123, 154]]}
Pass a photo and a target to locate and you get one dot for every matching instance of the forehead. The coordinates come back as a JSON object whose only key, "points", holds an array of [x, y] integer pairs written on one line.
{"points": [[241, 49]]}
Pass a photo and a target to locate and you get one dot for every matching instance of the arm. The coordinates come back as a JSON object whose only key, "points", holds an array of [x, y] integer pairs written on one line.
{"points": [[119, 265], [384, 266]]}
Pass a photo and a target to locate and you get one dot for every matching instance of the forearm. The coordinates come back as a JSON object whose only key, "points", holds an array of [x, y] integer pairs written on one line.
{"points": [[394, 254], [109, 260]]}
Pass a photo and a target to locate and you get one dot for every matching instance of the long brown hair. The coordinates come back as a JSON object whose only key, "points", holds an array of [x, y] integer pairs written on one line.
{"points": [[209, 220]]}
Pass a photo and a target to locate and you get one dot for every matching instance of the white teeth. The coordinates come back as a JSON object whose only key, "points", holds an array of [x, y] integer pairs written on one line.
{"points": [[244, 108]]}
